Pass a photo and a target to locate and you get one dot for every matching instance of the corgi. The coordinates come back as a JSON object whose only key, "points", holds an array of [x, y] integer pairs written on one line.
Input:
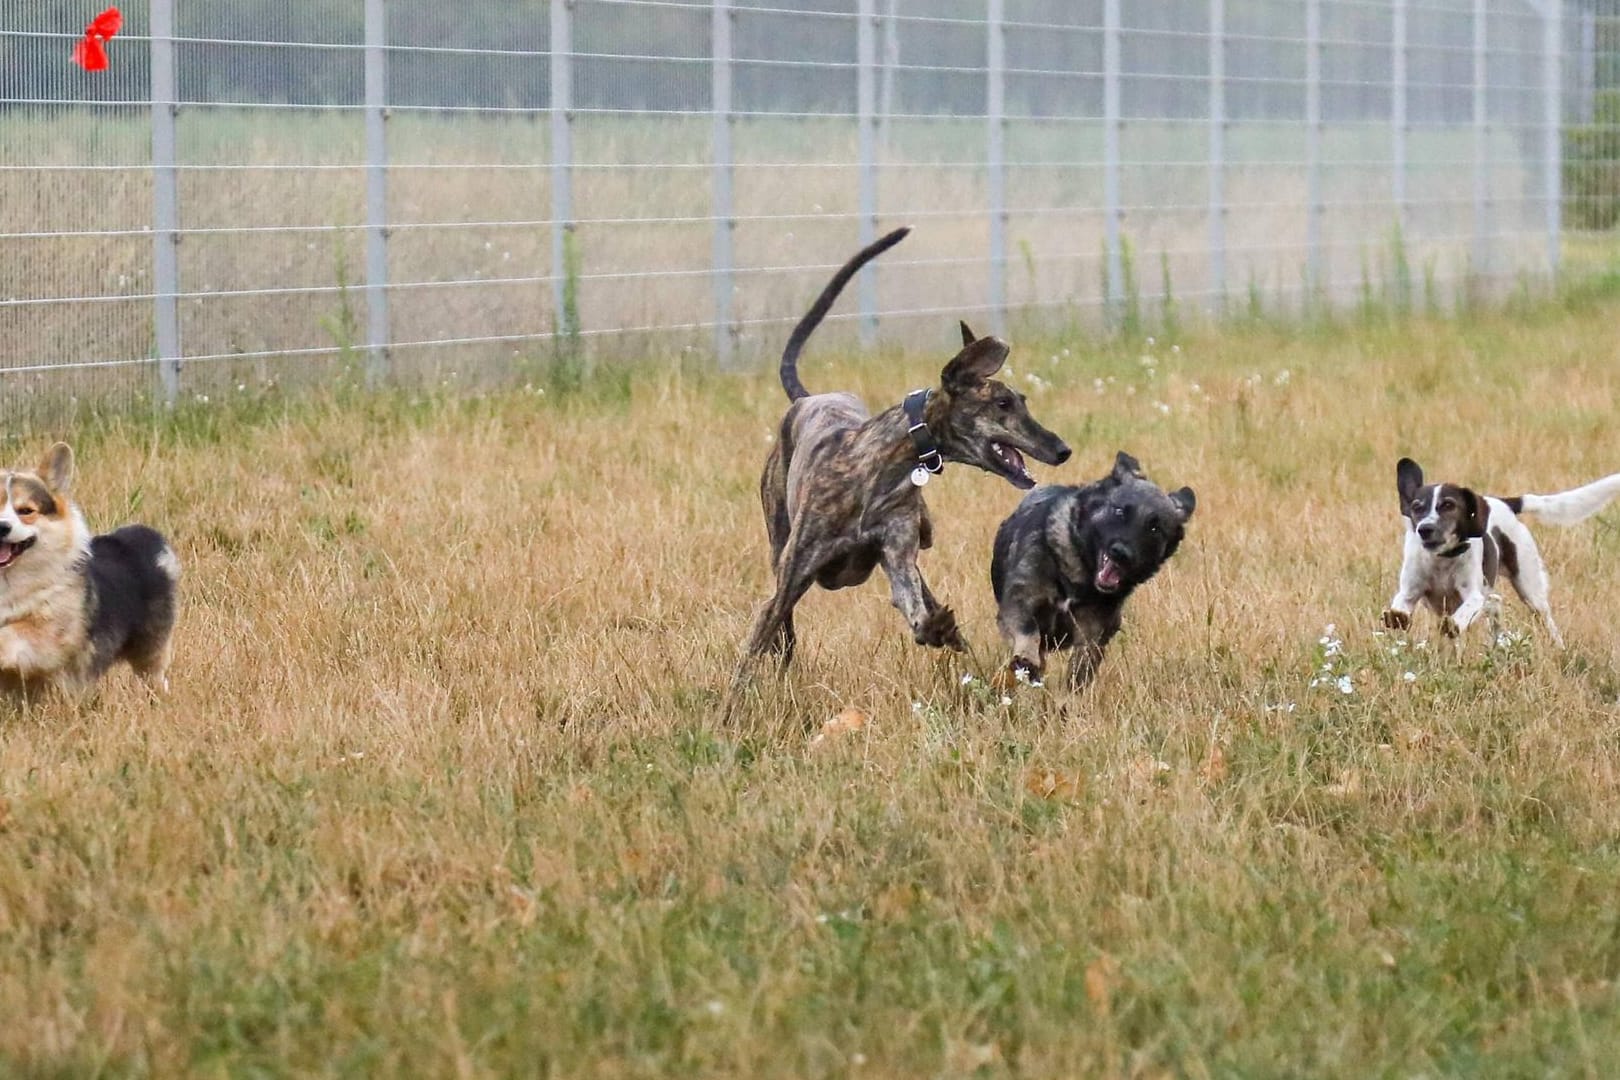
{"points": [[72, 604]]}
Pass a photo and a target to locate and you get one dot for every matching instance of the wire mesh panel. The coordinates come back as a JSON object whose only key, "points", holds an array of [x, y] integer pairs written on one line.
{"points": [[260, 193], [75, 213]]}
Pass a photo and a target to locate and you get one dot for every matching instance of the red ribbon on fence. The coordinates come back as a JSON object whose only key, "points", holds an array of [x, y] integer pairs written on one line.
{"points": [[91, 53]]}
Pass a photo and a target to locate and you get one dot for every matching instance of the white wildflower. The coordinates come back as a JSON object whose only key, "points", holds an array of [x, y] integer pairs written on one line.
{"points": [[1410, 676], [967, 680], [1344, 685]]}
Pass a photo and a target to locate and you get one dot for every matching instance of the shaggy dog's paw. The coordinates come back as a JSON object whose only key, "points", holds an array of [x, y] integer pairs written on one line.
{"points": [[1449, 627], [939, 631], [1017, 672], [1397, 620]]}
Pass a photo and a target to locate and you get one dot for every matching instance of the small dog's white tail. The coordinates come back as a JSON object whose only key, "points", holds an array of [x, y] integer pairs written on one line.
{"points": [[1569, 507]]}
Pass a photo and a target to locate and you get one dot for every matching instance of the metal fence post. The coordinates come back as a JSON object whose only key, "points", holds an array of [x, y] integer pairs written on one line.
{"points": [[1552, 119], [378, 334], [1398, 117], [1481, 265], [724, 212], [1586, 90], [1114, 253], [866, 136], [996, 154], [1313, 152], [562, 155], [1217, 156], [165, 201]]}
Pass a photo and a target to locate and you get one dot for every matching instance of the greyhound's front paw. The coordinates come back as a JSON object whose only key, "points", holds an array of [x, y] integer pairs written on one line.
{"points": [[1449, 627], [939, 631], [1397, 620]]}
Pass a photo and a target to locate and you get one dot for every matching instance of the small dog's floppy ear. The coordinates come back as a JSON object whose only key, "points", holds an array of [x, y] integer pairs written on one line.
{"points": [[56, 469], [1127, 468], [968, 336], [1476, 513], [1186, 502], [1408, 478], [975, 363]]}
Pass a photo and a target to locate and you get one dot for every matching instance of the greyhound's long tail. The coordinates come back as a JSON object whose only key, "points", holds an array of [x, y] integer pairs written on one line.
{"points": [[1569, 507], [818, 311]]}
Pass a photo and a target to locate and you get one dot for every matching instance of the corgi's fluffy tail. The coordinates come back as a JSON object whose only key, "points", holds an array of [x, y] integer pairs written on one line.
{"points": [[1569, 507]]}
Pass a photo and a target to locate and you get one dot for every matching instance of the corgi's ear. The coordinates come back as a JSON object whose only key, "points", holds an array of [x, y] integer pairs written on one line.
{"points": [[967, 334], [57, 468]]}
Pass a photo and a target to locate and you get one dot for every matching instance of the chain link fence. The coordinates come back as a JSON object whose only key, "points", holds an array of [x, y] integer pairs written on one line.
{"points": [[261, 192]]}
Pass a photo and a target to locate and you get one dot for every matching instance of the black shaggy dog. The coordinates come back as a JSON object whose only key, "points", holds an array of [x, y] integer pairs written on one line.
{"points": [[1068, 557]]}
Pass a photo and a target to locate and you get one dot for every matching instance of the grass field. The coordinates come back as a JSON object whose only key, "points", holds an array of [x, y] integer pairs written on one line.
{"points": [[441, 787]]}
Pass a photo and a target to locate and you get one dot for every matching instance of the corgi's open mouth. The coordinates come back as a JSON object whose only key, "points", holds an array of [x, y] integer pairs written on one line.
{"points": [[9, 551], [1012, 464]]}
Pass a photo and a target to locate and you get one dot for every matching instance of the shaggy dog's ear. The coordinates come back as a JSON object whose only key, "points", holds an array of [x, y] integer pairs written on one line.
{"points": [[1408, 478], [977, 361], [1186, 502], [968, 337], [56, 469]]}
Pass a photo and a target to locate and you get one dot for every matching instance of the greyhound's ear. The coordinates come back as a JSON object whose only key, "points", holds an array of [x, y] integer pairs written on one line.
{"points": [[1186, 502], [976, 362], [968, 336], [1408, 478], [1476, 515], [56, 468], [1127, 468]]}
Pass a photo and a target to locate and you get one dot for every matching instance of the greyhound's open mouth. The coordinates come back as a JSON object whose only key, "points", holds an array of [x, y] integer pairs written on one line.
{"points": [[9, 551], [1012, 464], [1109, 574]]}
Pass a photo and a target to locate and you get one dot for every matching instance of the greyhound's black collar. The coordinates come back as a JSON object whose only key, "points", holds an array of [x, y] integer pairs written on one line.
{"points": [[928, 455]]}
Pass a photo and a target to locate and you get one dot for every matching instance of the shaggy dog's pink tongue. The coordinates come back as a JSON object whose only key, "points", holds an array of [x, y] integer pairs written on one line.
{"points": [[1108, 574], [8, 554]]}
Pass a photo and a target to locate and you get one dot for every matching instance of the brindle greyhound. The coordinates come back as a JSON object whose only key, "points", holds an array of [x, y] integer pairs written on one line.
{"points": [[842, 489]]}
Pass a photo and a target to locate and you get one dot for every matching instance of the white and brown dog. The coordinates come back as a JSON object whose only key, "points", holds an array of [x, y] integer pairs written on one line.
{"points": [[1457, 542], [72, 605]]}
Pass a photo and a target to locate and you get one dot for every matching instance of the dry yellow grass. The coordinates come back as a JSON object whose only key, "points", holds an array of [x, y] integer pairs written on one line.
{"points": [[441, 788]]}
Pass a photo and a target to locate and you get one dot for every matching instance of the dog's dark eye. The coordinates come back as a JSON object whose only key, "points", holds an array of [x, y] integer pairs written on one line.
{"points": [[1446, 504], [1005, 404], [1119, 511], [1417, 504], [26, 511]]}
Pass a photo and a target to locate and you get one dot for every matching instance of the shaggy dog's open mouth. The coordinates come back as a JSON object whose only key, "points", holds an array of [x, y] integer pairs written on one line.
{"points": [[1109, 574], [9, 552], [1011, 464]]}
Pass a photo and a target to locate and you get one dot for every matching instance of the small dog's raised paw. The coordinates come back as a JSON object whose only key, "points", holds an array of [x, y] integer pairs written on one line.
{"points": [[939, 631], [1397, 620]]}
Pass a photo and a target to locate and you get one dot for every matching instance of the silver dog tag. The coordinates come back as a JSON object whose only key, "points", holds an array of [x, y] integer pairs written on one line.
{"points": [[919, 476]]}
